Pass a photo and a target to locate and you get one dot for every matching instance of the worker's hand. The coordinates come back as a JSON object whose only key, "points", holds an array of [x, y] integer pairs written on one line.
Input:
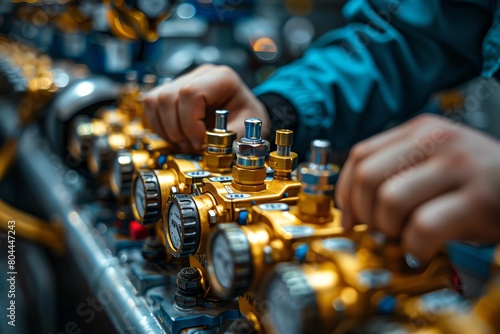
{"points": [[178, 109], [427, 182]]}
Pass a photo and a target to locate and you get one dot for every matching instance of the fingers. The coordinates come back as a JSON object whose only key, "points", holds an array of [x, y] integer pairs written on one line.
{"points": [[153, 117], [368, 175], [400, 194], [432, 224], [358, 153], [177, 110], [169, 120], [380, 157], [191, 115]]}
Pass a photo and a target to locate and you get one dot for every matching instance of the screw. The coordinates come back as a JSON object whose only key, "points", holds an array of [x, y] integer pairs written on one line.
{"points": [[212, 216]]}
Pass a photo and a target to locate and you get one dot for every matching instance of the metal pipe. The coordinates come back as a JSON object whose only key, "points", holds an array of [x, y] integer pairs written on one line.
{"points": [[128, 312]]}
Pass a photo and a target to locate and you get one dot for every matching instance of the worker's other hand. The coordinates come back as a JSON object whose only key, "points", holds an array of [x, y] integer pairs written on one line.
{"points": [[178, 110], [428, 181]]}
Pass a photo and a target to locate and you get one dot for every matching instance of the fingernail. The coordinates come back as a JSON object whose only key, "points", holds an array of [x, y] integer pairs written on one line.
{"points": [[412, 261]]}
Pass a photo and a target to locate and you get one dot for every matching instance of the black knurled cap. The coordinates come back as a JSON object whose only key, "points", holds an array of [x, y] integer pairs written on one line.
{"points": [[152, 193], [191, 230]]}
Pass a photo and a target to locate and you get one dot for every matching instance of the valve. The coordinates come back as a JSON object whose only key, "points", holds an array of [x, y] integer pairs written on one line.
{"points": [[275, 231], [283, 160], [249, 172], [230, 199], [105, 147], [318, 178], [218, 155], [184, 174], [128, 162]]}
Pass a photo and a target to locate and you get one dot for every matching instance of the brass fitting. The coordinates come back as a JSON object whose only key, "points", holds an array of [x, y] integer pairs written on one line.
{"points": [[106, 146], [283, 161], [103, 150], [271, 235], [318, 178], [251, 152], [219, 203], [180, 176], [83, 129], [343, 283], [218, 154], [125, 164]]}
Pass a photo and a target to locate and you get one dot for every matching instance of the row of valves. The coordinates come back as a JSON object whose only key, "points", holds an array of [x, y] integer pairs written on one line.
{"points": [[249, 224]]}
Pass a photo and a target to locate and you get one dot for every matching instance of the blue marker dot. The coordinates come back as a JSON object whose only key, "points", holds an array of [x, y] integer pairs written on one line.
{"points": [[386, 305], [301, 252], [242, 217]]}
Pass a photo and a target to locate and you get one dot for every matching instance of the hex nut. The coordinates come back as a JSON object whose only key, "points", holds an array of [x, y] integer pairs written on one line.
{"points": [[248, 176], [280, 162], [314, 205], [186, 301], [215, 161], [251, 149], [220, 139]]}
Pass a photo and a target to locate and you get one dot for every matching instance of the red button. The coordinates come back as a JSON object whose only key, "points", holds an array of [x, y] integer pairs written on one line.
{"points": [[138, 231]]}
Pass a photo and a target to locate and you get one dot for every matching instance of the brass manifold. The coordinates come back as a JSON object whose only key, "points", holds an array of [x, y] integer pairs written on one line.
{"points": [[113, 129], [456, 315], [342, 282], [229, 198], [183, 174]]}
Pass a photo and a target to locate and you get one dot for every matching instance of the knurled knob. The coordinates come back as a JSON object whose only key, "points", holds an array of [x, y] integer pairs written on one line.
{"points": [[146, 197], [181, 226]]}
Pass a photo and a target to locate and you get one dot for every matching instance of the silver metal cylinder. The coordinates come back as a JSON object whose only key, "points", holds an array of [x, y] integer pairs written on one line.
{"points": [[221, 120], [320, 152], [253, 129]]}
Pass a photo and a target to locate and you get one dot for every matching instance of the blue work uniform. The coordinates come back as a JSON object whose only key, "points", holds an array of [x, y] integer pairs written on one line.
{"points": [[382, 66]]}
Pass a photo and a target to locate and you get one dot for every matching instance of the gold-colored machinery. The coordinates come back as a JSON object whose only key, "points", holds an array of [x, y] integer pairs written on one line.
{"points": [[137, 19], [183, 174], [99, 139], [240, 255], [342, 283], [189, 219]]}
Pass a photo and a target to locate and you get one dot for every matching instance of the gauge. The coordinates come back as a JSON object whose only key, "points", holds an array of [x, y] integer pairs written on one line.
{"points": [[139, 197], [294, 302], [175, 226], [181, 226], [230, 260], [223, 261], [122, 173], [146, 197]]}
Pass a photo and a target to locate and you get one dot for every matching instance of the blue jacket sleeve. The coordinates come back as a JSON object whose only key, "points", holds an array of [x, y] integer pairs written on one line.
{"points": [[383, 65]]}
